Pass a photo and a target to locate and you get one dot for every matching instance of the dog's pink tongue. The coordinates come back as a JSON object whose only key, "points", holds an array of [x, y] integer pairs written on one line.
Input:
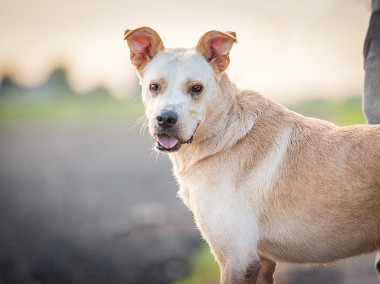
{"points": [[167, 141]]}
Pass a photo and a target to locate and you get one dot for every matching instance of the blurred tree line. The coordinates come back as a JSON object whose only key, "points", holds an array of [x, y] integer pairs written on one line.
{"points": [[55, 100], [55, 87]]}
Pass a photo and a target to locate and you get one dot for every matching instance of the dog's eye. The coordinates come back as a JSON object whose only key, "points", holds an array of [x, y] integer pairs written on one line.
{"points": [[196, 89], [154, 88]]}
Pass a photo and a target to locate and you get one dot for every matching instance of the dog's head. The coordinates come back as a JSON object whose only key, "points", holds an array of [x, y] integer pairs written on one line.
{"points": [[179, 86]]}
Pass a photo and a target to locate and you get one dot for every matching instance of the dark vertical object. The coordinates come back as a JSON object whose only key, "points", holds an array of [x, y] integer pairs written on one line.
{"points": [[371, 100]]}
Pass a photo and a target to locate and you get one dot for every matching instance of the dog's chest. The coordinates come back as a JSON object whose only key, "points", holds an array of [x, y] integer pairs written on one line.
{"points": [[222, 211], [227, 200]]}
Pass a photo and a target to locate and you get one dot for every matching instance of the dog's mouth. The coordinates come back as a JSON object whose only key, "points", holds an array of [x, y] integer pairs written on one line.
{"points": [[167, 143], [170, 143]]}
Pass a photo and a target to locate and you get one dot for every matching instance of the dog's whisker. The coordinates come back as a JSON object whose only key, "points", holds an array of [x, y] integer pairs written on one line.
{"points": [[140, 119], [137, 122], [134, 100], [157, 155], [151, 152], [144, 126]]}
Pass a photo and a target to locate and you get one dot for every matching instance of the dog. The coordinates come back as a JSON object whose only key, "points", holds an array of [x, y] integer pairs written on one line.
{"points": [[264, 183]]}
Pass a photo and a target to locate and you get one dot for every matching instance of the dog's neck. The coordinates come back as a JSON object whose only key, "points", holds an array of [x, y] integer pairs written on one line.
{"points": [[224, 129]]}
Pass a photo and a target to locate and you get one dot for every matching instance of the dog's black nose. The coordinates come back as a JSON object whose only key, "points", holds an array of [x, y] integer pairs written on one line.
{"points": [[167, 119]]}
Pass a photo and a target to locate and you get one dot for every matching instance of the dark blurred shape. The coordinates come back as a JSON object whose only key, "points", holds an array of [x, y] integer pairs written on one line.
{"points": [[8, 86], [54, 87]]}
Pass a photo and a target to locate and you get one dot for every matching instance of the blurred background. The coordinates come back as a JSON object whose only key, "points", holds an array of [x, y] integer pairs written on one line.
{"points": [[83, 198]]}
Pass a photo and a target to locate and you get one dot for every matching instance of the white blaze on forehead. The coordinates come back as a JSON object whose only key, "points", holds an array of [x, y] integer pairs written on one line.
{"points": [[177, 66]]}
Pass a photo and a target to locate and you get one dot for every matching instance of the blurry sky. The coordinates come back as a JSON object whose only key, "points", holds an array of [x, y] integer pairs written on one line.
{"points": [[287, 48]]}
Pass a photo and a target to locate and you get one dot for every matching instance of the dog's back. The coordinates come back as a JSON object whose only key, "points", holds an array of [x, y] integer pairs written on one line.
{"points": [[317, 185], [326, 193]]}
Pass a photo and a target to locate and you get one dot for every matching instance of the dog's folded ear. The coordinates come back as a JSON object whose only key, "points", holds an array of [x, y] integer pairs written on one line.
{"points": [[215, 47], [144, 44]]}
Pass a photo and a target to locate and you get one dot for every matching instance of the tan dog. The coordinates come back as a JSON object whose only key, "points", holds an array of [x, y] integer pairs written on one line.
{"points": [[265, 184]]}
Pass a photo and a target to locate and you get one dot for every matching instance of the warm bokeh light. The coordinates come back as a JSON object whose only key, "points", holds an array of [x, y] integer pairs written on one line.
{"points": [[287, 49]]}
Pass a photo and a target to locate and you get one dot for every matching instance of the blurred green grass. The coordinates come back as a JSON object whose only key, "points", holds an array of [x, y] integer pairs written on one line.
{"points": [[204, 268], [73, 109], [342, 113]]}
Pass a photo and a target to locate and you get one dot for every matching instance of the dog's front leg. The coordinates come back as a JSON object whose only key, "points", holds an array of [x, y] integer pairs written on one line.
{"points": [[236, 265], [257, 272], [232, 275], [267, 268]]}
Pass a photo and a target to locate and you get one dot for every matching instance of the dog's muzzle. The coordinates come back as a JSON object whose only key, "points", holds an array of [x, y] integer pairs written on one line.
{"points": [[167, 139]]}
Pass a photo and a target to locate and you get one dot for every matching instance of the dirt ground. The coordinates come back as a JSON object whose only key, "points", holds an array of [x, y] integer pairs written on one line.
{"points": [[93, 204]]}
